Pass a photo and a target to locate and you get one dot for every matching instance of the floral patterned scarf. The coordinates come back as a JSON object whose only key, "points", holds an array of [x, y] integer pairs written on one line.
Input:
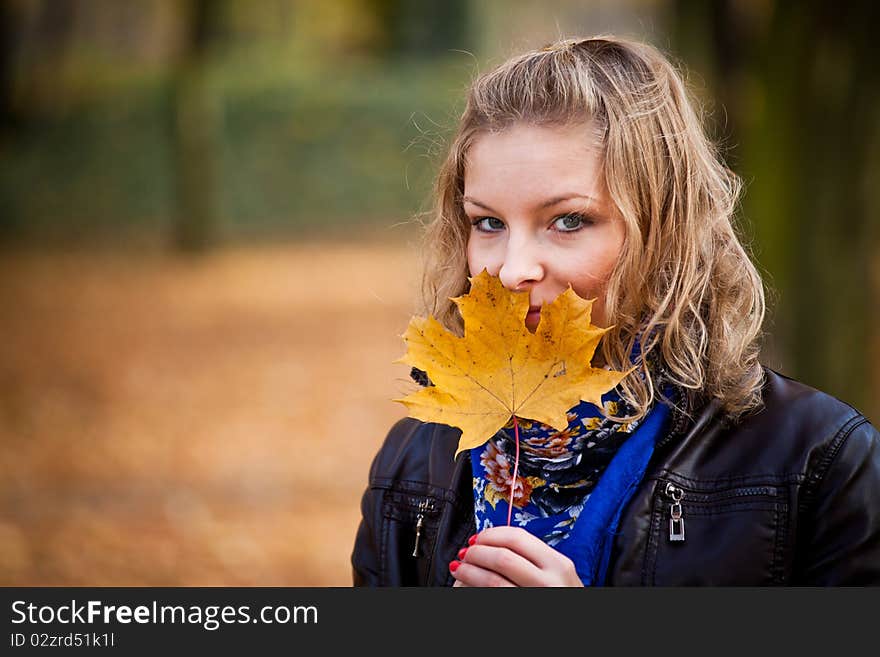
{"points": [[557, 469]]}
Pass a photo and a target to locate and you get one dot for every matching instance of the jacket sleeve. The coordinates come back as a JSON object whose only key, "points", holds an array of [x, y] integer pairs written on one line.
{"points": [[369, 564], [841, 513], [365, 557]]}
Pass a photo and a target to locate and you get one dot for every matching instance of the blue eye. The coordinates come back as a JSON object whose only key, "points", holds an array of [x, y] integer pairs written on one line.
{"points": [[569, 223], [488, 224]]}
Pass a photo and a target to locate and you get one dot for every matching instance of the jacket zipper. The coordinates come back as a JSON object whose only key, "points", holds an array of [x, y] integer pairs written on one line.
{"points": [[676, 514], [424, 506]]}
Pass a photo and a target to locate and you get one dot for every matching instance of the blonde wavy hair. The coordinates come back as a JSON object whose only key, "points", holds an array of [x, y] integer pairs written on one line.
{"points": [[684, 282]]}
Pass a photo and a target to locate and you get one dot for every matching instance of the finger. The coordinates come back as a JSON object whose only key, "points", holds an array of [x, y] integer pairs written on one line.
{"points": [[506, 562], [526, 545], [471, 575]]}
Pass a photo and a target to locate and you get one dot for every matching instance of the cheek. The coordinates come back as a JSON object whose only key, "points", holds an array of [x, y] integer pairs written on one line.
{"points": [[592, 283], [470, 258], [478, 258], [594, 289]]}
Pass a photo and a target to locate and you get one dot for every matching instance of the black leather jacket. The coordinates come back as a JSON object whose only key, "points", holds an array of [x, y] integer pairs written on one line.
{"points": [[789, 496]]}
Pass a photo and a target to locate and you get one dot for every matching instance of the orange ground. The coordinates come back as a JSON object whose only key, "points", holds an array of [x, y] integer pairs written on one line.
{"points": [[208, 421]]}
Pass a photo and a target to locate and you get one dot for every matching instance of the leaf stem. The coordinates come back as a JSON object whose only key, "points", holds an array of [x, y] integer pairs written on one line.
{"points": [[515, 469]]}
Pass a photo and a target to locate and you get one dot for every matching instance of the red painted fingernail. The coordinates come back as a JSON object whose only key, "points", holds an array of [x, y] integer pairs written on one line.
{"points": [[453, 565], [472, 539], [462, 552]]}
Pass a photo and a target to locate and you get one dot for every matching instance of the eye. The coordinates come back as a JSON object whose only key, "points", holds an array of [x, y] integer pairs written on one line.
{"points": [[488, 224], [571, 222]]}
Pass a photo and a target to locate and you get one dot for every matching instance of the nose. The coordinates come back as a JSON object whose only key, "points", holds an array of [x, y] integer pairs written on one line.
{"points": [[522, 266]]}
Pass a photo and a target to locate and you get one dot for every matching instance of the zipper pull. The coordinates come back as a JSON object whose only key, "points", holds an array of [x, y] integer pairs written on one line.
{"points": [[676, 515], [423, 506]]}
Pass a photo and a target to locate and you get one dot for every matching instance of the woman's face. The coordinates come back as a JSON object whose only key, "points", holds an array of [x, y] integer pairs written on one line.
{"points": [[541, 214]]}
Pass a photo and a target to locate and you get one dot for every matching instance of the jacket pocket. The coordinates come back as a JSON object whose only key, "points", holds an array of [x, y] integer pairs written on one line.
{"points": [[715, 534], [409, 532]]}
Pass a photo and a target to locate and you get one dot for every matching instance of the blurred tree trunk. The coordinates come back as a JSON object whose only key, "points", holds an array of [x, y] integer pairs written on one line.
{"points": [[9, 31], [417, 28], [197, 125], [37, 40], [802, 99]]}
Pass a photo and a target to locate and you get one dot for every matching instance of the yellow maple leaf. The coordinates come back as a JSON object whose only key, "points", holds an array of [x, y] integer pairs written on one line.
{"points": [[499, 368]]}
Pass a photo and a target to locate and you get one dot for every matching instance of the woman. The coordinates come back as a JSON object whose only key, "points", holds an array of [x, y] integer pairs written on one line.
{"points": [[584, 163]]}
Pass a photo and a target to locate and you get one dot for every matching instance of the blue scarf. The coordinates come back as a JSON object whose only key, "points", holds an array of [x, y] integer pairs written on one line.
{"points": [[572, 485]]}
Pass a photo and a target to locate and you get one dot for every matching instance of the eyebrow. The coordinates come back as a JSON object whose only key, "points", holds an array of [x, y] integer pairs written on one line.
{"points": [[556, 200]]}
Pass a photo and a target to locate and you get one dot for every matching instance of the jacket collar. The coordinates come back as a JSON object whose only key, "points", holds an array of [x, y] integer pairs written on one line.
{"points": [[688, 426]]}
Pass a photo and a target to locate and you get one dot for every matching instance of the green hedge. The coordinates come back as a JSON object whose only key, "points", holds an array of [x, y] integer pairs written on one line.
{"points": [[355, 144]]}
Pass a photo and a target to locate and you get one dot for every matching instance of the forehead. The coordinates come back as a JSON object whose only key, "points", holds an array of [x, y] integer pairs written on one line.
{"points": [[536, 158]]}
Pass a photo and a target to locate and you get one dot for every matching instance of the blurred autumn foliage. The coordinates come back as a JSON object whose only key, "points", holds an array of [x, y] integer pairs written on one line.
{"points": [[210, 422]]}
